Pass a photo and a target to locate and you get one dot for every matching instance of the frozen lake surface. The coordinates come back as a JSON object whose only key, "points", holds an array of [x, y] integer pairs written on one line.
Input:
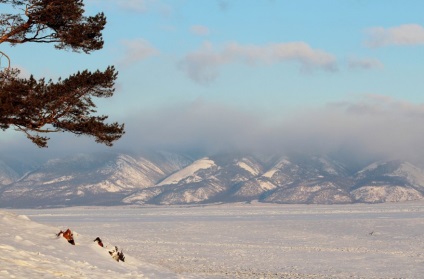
{"points": [[259, 240]]}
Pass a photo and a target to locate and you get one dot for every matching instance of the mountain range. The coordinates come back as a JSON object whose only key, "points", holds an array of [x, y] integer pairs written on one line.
{"points": [[163, 178]]}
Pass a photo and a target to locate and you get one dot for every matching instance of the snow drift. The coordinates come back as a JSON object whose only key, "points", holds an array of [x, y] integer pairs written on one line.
{"points": [[32, 250]]}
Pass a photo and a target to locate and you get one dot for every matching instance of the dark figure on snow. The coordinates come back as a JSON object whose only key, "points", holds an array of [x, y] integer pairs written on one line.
{"points": [[67, 235], [99, 241], [118, 256]]}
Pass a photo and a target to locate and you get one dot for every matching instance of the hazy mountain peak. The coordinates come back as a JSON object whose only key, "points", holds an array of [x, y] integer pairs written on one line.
{"points": [[189, 171], [168, 178]]}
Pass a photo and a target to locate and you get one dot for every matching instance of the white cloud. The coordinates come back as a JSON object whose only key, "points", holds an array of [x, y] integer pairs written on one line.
{"points": [[203, 65], [134, 5], [136, 50], [364, 63], [407, 34], [199, 30]]}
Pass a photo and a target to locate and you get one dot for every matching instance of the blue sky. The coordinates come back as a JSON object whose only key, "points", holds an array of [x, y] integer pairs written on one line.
{"points": [[216, 74]]}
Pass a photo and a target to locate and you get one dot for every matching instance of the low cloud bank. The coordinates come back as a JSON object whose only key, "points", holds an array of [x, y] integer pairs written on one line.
{"points": [[371, 126]]}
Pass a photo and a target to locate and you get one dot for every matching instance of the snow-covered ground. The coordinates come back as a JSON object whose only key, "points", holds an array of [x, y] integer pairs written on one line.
{"points": [[32, 250], [217, 241]]}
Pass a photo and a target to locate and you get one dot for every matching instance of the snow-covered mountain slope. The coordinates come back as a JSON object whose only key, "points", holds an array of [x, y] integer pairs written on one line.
{"points": [[209, 179], [168, 178], [32, 250], [391, 172], [101, 178], [289, 170], [386, 193], [12, 169], [189, 173], [7, 174], [300, 179], [315, 192], [390, 181]]}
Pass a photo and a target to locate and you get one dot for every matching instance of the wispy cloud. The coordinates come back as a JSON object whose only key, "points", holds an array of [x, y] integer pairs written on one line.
{"points": [[203, 65], [199, 30], [382, 105], [223, 4], [355, 63], [135, 51], [407, 34]]}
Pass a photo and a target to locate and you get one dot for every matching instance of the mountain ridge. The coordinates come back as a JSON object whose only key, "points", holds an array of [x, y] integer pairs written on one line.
{"points": [[164, 178]]}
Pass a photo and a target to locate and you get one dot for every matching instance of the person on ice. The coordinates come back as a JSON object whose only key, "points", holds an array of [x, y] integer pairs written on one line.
{"points": [[116, 255], [99, 241], [67, 235]]}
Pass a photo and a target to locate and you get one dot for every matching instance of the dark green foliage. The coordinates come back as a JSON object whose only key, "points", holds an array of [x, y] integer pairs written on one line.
{"points": [[53, 21], [38, 106]]}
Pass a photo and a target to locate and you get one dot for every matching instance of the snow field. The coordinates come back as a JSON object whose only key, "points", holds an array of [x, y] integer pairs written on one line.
{"points": [[250, 241], [32, 250]]}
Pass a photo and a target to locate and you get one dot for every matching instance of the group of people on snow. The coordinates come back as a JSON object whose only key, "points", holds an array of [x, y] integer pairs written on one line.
{"points": [[115, 253]]}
